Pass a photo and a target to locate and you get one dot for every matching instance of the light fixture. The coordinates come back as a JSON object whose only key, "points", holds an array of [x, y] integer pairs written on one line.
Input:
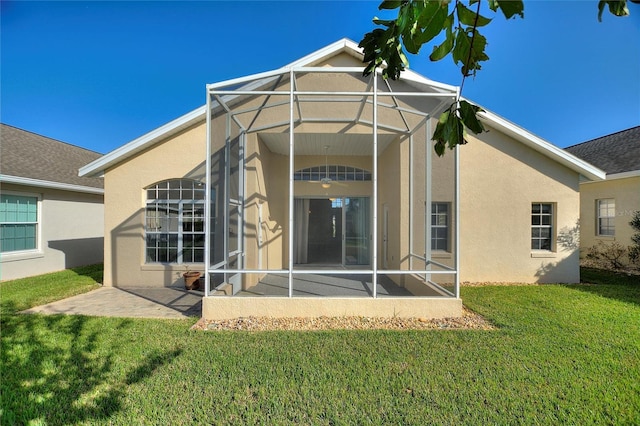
{"points": [[326, 180]]}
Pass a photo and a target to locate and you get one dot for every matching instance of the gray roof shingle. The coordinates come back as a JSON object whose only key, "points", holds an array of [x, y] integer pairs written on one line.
{"points": [[615, 153], [29, 155]]}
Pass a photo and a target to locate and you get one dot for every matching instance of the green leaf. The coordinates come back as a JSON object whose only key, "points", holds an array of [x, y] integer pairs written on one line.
{"points": [[470, 50], [469, 17], [601, 5], [456, 133], [432, 21], [409, 27], [439, 148], [401, 55], [390, 4], [469, 116], [411, 45], [386, 22], [443, 49], [449, 132], [616, 7], [509, 7]]}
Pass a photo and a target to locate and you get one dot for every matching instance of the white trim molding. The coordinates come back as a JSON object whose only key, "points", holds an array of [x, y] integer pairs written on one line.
{"points": [[18, 180]]}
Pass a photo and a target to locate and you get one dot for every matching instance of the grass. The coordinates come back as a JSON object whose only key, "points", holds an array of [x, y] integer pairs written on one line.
{"points": [[563, 354], [25, 293]]}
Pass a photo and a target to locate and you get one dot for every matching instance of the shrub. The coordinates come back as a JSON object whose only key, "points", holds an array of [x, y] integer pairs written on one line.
{"points": [[608, 256], [634, 250]]}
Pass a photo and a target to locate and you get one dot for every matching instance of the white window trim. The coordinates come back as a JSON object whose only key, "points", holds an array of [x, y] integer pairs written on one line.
{"points": [[552, 250], [439, 252], [598, 217], [180, 202], [31, 253]]}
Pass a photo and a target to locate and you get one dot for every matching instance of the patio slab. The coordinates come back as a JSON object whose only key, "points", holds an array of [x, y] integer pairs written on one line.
{"points": [[168, 302], [329, 285]]}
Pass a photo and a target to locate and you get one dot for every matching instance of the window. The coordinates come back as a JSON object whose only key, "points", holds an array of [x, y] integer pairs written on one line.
{"points": [[18, 223], [174, 222], [340, 173], [606, 215], [541, 226], [439, 226]]}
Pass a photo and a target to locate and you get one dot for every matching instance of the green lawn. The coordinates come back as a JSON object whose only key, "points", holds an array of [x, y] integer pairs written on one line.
{"points": [[562, 354], [26, 293]]}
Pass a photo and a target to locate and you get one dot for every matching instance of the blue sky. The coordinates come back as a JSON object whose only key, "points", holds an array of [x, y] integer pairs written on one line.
{"points": [[99, 74]]}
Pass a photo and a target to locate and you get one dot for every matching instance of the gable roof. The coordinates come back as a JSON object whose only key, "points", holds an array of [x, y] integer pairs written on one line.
{"points": [[30, 159], [615, 153], [341, 46]]}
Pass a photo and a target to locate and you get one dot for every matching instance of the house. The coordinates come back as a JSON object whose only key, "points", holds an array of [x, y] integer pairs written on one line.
{"points": [[50, 219], [606, 207], [324, 197]]}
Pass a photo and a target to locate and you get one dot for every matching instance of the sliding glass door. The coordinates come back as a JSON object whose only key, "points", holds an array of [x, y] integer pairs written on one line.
{"points": [[357, 235], [332, 231]]}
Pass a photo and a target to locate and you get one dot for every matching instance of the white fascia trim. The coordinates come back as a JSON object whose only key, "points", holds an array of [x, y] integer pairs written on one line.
{"points": [[305, 61], [245, 79], [325, 52], [622, 175], [560, 155], [98, 166], [18, 180], [420, 79]]}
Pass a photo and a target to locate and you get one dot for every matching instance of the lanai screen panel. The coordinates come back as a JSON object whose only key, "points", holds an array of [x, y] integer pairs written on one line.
{"points": [[432, 240], [363, 238]]}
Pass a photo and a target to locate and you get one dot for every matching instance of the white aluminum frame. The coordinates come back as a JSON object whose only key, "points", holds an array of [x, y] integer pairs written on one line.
{"points": [[219, 96]]}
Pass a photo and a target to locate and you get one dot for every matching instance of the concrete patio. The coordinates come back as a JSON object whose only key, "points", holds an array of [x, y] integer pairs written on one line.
{"points": [[329, 285], [168, 302]]}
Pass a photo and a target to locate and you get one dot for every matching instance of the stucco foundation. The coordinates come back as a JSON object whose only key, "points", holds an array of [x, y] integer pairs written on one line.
{"points": [[220, 307]]}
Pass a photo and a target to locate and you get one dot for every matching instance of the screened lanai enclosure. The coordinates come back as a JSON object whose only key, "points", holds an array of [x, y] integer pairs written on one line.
{"points": [[325, 196]]}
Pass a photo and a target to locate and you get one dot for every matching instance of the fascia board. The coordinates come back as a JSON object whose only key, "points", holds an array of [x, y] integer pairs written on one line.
{"points": [[624, 175], [617, 176], [324, 53], [141, 143], [18, 180], [414, 77], [314, 57], [245, 79], [560, 155]]}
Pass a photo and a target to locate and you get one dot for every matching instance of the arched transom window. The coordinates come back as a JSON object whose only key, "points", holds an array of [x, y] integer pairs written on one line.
{"points": [[174, 222], [333, 172]]}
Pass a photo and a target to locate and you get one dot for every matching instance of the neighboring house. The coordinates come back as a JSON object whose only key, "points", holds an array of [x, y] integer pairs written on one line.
{"points": [[606, 207], [299, 205], [50, 219]]}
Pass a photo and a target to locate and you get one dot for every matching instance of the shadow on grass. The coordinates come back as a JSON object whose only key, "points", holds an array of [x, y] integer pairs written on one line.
{"points": [[59, 370], [612, 285], [95, 272]]}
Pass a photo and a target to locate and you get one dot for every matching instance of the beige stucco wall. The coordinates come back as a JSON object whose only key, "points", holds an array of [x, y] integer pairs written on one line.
{"points": [[391, 177], [390, 307], [71, 230], [625, 192], [182, 156], [496, 193], [499, 180]]}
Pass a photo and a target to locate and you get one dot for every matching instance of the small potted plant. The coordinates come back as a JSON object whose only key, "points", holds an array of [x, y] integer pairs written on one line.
{"points": [[191, 279]]}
